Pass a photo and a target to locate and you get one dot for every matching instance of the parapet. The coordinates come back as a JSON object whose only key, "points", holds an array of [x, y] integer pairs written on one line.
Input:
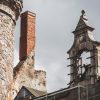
{"points": [[12, 8]]}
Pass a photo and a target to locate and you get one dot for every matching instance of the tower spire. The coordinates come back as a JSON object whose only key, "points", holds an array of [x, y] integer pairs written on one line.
{"points": [[83, 23], [84, 70]]}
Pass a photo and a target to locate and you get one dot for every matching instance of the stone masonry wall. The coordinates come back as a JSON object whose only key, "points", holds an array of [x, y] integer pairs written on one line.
{"points": [[6, 54], [8, 19], [26, 75]]}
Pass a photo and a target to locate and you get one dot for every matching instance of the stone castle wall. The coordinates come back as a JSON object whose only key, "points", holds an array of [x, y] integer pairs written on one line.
{"points": [[6, 53], [8, 19], [26, 75]]}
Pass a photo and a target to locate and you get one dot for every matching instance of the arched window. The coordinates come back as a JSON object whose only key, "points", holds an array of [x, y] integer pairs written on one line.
{"points": [[83, 63]]}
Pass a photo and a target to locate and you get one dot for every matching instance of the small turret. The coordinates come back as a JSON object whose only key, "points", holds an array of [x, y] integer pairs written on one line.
{"points": [[84, 70], [9, 13]]}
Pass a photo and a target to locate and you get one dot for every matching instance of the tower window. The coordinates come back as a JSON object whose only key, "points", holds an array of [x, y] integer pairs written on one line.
{"points": [[84, 57], [83, 64]]}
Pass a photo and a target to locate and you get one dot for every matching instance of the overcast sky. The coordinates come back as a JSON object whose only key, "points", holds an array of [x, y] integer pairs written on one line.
{"points": [[55, 21]]}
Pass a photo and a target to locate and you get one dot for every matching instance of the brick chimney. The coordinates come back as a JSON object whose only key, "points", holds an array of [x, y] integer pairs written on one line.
{"points": [[27, 35]]}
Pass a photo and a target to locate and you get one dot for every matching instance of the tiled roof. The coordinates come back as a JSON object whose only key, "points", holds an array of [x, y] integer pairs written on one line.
{"points": [[36, 93]]}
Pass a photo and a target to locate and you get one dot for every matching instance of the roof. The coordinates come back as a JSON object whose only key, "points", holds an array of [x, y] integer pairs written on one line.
{"points": [[60, 93], [35, 92], [83, 23]]}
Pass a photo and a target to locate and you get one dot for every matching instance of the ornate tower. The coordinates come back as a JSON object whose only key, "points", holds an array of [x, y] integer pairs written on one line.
{"points": [[9, 13], [84, 54]]}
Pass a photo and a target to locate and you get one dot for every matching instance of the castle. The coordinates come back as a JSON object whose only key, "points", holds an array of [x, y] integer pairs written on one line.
{"points": [[24, 74], [30, 84]]}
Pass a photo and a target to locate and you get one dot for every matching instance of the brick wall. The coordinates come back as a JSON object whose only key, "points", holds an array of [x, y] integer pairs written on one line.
{"points": [[27, 36]]}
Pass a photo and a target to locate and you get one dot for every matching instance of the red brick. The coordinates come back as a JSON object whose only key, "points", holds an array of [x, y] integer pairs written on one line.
{"points": [[27, 36]]}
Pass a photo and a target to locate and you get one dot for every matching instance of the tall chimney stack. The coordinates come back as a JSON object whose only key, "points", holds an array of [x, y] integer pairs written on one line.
{"points": [[27, 35]]}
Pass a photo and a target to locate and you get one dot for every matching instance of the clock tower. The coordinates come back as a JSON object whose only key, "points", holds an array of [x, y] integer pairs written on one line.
{"points": [[84, 55]]}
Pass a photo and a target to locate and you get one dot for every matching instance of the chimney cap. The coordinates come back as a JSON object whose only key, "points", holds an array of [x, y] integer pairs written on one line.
{"points": [[28, 13]]}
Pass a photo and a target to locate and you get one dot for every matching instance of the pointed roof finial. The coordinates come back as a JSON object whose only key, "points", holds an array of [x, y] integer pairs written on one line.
{"points": [[83, 16], [83, 12]]}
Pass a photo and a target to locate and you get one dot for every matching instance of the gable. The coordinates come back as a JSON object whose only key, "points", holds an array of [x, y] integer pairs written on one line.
{"points": [[27, 93], [24, 94]]}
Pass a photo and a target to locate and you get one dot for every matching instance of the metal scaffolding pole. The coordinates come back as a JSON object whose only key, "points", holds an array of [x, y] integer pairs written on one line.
{"points": [[79, 98], [87, 92], [54, 98], [46, 97]]}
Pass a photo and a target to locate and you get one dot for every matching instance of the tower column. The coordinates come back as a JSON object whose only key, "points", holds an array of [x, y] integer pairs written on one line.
{"points": [[9, 12]]}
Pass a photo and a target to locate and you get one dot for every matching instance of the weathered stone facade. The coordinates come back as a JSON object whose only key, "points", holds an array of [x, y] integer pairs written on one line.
{"points": [[84, 55], [9, 12], [25, 73]]}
